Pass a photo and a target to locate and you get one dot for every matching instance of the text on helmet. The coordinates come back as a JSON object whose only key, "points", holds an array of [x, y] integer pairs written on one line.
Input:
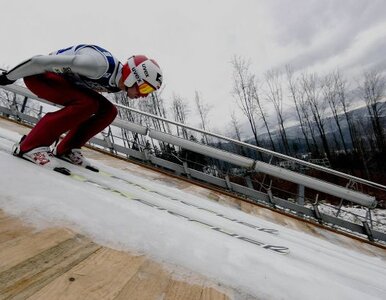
{"points": [[145, 70], [137, 77]]}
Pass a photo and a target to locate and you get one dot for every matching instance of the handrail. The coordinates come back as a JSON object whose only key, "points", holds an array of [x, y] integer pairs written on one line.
{"points": [[266, 151], [278, 172], [25, 92]]}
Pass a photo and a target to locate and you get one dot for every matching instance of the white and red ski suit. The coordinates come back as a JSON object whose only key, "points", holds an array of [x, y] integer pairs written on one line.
{"points": [[73, 78]]}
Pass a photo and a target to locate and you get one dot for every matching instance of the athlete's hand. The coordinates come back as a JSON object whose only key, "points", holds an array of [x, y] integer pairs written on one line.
{"points": [[4, 80]]}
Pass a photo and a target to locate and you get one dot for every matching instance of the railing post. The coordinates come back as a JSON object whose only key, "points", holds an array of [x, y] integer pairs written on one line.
{"points": [[107, 137], [40, 112], [317, 214], [248, 181], [228, 182], [24, 104], [270, 197], [368, 231], [147, 155], [186, 169], [300, 199]]}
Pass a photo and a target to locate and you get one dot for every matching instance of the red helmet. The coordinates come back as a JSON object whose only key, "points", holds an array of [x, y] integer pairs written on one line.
{"points": [[143, 71]]}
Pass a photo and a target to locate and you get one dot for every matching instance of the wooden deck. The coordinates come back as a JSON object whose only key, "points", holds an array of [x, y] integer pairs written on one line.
{"points": [[57, 263]]}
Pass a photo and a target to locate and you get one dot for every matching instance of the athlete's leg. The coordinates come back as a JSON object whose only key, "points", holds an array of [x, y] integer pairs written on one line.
{"points": [[79, 135], [78, 104]]}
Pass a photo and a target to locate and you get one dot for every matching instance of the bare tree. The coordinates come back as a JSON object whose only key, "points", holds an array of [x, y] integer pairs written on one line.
{"points": [[372, 91], [180, 112], [133, 140], [236, 131], [261, 113], [245, 91], [300, 96], [317, 107], [203, 111], [341, 90], [235, 125], [157, 108], [331, 88], [306, 112], [297, 95], [275, 96]]}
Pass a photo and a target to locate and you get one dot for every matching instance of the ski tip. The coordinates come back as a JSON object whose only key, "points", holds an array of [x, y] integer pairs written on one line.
{"points": [[62, 170], [91, 168]]}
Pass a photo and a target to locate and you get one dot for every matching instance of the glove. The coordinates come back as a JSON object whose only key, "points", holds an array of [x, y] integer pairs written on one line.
{"points": [[4, 80]]}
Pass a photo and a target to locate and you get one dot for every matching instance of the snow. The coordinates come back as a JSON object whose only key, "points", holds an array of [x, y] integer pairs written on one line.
{"points": [[356, 215], [314, 269]]}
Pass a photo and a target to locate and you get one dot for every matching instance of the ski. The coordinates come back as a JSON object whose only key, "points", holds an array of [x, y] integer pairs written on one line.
{"points": [[62, 170], [275, 248], [267, 230], [91, 168]]}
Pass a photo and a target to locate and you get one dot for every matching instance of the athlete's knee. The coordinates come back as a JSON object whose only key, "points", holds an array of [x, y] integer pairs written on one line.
{"points": [[108, 110], [112, 111], [87, 105]]}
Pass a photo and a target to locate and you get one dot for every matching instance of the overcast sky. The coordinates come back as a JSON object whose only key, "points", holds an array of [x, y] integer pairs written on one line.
{"points": [[194, 41]]}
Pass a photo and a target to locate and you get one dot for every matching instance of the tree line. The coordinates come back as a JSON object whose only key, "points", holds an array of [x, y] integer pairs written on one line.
{"points": [[316, 100]]}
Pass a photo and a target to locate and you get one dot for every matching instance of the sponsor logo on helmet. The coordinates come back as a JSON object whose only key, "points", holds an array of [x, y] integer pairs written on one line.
{"points": [[137, 77], [159, 78], [145, 71]]}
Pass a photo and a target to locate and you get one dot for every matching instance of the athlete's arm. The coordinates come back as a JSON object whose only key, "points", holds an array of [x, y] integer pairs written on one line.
{"points": [[86, 65]]}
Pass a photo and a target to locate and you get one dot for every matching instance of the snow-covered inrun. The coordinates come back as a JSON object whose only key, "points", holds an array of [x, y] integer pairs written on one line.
{"points": [[130, 212]]}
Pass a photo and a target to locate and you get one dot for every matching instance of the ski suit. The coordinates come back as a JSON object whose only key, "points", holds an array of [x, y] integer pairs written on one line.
{"points": [[73, 78]]}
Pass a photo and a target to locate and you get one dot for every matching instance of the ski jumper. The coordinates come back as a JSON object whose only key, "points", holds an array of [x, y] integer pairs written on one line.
{"points": [[73, 78]]}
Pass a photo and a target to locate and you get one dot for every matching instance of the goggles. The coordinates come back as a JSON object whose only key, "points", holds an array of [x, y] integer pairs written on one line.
{"points": [[145, 88]]}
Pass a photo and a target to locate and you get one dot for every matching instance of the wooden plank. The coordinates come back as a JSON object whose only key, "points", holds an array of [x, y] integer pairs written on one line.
{"points": [[11, 228], [26, 278], [19, 249], [150, 282], [101, 276], [3, 214], [210, 293], [180, 290], [4, 220]]}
